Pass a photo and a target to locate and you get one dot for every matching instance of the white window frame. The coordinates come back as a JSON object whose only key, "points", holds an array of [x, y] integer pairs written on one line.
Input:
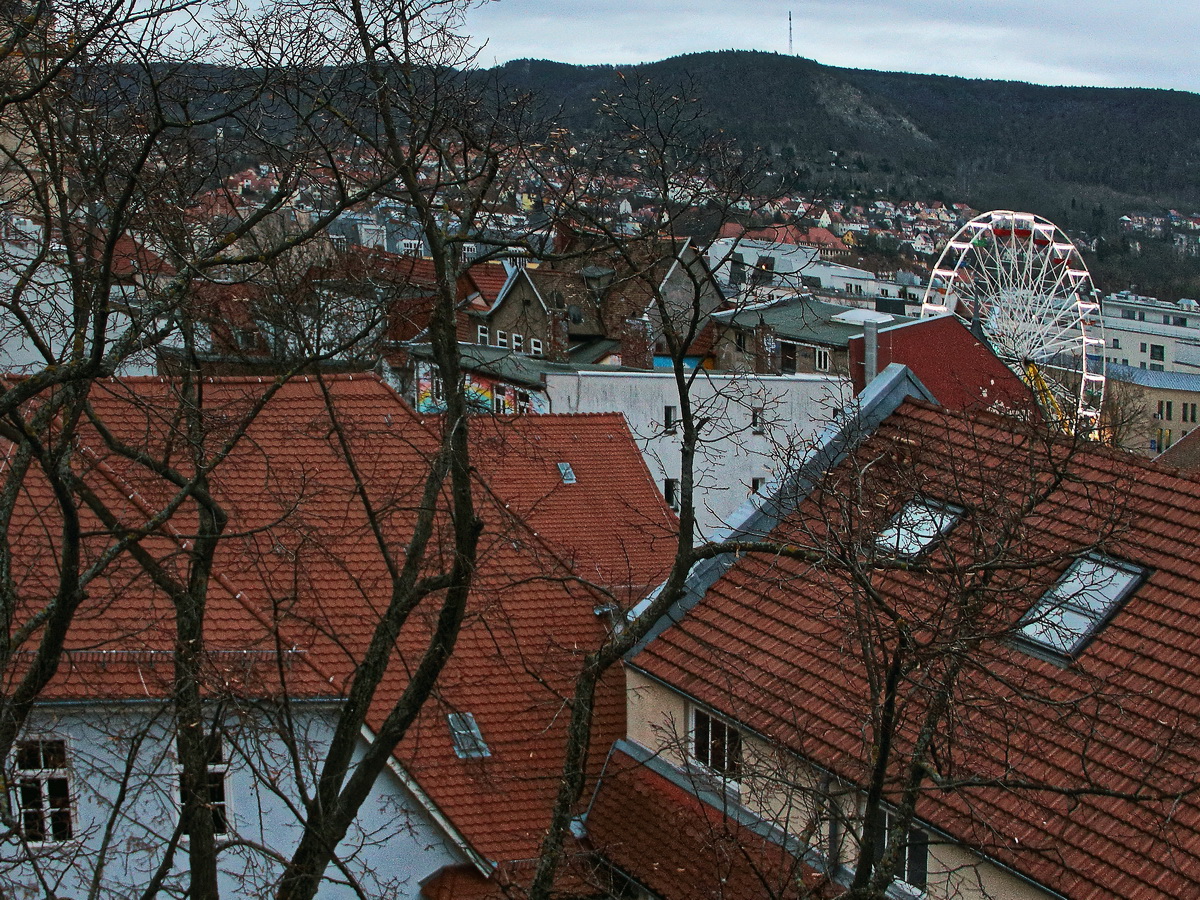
{"points": [[758, 423], [43, 777], [518, 342], [905, 865], [701, 752], [502, 339], [483, 336], [221, 767], [821, 359], [535, 346], [670, 419]]}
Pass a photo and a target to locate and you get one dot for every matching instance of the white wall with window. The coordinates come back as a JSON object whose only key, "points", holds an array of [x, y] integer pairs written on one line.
{"points": [[72, 764], [747, 418]]}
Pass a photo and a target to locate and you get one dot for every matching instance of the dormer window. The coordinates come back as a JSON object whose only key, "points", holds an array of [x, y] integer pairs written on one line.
{"points": [[468, 739], [916, 527], [1080, 603]]}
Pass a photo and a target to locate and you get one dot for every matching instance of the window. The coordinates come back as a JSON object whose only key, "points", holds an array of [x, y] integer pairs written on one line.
{"points": [[1161, 407], [739, 341], [787, 358], [410, 246], [716, 745], [518, 342], [1116, 343], [1082, 600], [671, 492], [1166, 320], [535, 346], [821, 359], [1181, 321], [43, 791], [1155, 367], [1141, 316], [1143, 347], [1157, 352], [523, 401], [669, 420], [1127, 314], [756, 420], [756, 485], [468, 739], [917, 526], [913, 857], [501, 338], [566, 473], [218, 767], [498, 401], [737, 269], [1169, 410], [482, 336]]}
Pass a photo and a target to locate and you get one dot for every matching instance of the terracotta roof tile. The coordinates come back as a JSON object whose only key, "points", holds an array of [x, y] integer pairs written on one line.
{"points": [[772, 645]]}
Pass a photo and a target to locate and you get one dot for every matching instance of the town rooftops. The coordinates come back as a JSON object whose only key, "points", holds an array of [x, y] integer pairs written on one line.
{"points": [[1078, 763], [1149, 378], [805, 319], [306, 574]]}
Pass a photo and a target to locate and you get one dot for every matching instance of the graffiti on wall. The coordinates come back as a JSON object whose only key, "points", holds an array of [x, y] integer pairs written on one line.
{"points": [[484, 394]]}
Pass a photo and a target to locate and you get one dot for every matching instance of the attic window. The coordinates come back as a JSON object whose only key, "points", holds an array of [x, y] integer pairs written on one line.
{"points": [[917, 526], [1083, 599], [567, 473], [468, 740]]}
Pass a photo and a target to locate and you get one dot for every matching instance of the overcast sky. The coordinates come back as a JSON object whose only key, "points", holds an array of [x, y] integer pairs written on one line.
{"points": [[1111, 43]]}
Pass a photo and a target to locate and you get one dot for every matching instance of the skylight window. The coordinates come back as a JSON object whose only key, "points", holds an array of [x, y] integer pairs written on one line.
{"points": [[567, 473], [917, 526], [1085, 597], [468, 739]]}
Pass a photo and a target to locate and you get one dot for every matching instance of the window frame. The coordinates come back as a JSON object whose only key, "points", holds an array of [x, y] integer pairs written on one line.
{"points": [[44, 776], [1078, 605], [483, 336], [822, 359], [729, 769], [502, 339], [472, 745], [671, 492], [211, 768], [670, 420], [898, 546], [535, 347], [905, 867]]}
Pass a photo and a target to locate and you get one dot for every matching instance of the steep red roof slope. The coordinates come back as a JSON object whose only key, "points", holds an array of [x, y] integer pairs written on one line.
{"points": [[1089, 765], [961, 372], [304, 570]]}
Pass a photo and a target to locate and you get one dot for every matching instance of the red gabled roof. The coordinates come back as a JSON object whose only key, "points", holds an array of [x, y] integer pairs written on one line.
{"points": [[773, 644], [304, 572], [681, 848], [488, 279], [962, 372]]}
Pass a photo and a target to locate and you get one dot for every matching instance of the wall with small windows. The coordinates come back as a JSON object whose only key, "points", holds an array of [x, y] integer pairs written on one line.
{"points": [[72, 763], [747, 418], [787, 792]]}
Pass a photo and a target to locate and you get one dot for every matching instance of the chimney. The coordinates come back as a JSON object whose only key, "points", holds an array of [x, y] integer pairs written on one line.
{"points": [[870, 352], [637, 346], [557, 339], [766, 350]]}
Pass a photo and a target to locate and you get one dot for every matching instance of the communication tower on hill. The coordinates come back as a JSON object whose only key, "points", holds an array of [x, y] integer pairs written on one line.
{"points": [[790, 52]]}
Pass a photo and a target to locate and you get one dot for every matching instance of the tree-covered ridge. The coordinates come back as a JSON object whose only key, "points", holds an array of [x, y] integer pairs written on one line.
{"points": [[1126, 146]]}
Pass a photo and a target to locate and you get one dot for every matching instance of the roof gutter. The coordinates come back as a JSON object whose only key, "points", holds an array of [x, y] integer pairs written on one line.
{"points": [[484, 865]]}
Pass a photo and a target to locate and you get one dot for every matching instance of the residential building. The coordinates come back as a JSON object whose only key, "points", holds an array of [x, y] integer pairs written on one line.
{"points": [[1149, 410], [298, 589], [1061, 759], [1152, 334]]}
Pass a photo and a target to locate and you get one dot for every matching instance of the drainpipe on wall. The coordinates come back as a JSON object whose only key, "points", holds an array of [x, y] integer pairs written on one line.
{"points": [[870, 352]]}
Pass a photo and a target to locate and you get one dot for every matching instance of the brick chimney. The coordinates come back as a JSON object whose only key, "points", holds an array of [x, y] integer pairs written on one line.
{"points": [[558, 341], [637, 345], [766, 350]]}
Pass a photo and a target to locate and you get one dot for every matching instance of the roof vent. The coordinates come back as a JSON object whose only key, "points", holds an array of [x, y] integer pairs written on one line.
{"points": [[567, 473], [468, 739]]}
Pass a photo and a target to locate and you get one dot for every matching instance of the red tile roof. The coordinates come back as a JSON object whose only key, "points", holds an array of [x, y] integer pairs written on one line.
{"points": [[304, 570], [660, 834], [773, 644], [962, 372]]}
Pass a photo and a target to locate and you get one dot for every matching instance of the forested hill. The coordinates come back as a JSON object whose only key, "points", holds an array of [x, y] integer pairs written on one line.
{"points": [[977, 140]]}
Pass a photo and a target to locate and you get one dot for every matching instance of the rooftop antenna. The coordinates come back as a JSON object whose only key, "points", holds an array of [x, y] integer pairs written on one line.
{"points": [[790, 51]]}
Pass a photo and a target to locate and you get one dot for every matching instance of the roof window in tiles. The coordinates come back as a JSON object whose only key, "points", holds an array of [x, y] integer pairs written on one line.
{"points": [[567, 473], [914, 528], [1079, 604], [468, 739]]}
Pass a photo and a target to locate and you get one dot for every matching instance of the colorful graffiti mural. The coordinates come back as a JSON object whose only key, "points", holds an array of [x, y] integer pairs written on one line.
{"points": [[484, 394]]}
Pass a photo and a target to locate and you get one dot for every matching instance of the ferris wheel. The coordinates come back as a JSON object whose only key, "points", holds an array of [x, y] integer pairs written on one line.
{"points": [[1026, 284]]}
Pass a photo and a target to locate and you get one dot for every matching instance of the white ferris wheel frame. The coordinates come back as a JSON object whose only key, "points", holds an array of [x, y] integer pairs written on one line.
{"points": [[1038, 307]]}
